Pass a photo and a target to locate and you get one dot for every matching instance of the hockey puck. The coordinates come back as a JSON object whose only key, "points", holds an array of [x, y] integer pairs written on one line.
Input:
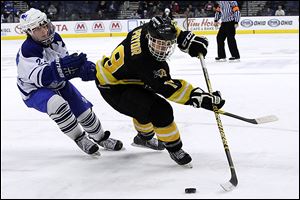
{"points": [[190, 190]]}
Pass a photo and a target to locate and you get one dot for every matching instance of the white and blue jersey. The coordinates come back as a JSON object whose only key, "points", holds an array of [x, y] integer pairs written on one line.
{"points": [[227, 11], [35, 76], [31, 60]]}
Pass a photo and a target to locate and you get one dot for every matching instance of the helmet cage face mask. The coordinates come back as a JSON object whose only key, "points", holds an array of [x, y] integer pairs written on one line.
{"points": [[161, 49], [51, 30]]}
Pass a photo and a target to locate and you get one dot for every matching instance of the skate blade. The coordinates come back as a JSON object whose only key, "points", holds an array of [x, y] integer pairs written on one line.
{"points": [[142, 146], [188, 166], [107, 149], [96, 154]]}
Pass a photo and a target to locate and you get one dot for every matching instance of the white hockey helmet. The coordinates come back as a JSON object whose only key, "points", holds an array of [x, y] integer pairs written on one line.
{"points": [[33, 19]]}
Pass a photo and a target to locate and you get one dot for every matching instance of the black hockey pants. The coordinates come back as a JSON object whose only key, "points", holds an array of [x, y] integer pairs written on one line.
{"points": [[140, 103]]}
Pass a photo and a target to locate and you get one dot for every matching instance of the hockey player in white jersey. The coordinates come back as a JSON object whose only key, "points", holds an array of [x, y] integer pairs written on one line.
{"points": [[44, 70]]}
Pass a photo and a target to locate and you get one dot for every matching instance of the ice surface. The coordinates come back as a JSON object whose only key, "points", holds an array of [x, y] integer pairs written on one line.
{"points": [[38, 161]]}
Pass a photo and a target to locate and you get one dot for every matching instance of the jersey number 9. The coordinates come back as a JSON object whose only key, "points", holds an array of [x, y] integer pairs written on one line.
{"points": [[116, 60]]}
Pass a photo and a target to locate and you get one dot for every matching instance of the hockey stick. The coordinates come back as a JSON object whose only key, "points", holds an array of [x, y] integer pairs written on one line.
{"points": [[232, 183], [259, 120]]}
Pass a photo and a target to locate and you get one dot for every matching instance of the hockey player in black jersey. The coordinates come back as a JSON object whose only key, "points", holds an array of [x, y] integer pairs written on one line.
{"points": [[136, 72]]}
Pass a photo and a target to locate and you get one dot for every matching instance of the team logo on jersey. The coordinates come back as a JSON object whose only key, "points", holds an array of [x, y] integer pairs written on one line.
{"points": [[160, 73]]}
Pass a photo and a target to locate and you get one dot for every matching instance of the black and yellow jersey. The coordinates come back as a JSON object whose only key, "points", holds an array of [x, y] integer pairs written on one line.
{"points": [[132, 63]]}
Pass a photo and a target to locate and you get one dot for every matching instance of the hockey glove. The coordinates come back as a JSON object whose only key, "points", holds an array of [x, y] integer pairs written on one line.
{"points": [[189, 43], [88, 71], [68, 67], [201, 99]]}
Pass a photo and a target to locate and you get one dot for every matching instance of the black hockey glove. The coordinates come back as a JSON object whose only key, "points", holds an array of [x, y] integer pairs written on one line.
{"points": [[189, 43], [201, 99], [68, 67]]}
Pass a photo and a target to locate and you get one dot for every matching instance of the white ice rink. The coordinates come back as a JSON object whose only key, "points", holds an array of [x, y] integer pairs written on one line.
{"points": [[38, 161]]}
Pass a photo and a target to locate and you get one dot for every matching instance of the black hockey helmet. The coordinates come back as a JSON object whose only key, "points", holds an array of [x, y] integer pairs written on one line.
{"points": [[161, 37], [162, 28]]}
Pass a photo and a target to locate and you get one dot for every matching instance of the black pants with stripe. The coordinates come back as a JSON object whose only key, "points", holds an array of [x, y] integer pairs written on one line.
{"points": [[227, 30]]}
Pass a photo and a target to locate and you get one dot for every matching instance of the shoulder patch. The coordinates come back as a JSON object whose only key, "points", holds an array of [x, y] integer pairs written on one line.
{"points": [[31, 49]]}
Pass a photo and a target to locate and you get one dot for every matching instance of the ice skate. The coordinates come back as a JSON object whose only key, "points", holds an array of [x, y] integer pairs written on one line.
{"points": [[181, 158], [86, 145], [153, 143], [109, 143]]}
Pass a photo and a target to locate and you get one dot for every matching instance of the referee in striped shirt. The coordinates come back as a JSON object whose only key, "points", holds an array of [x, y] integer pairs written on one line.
{"points": [[229, 13]]}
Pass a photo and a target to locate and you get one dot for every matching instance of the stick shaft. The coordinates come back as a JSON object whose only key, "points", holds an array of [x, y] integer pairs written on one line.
{"points": [[233, 179]]}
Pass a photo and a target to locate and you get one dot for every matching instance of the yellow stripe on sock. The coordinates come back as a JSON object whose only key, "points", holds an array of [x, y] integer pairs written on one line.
{"points": [[144, 128], [167, 134]]}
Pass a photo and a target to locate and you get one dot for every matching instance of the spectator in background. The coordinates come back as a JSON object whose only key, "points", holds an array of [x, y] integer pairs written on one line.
{"points": [[160, 6], [135, 15], [112, 7], [175, 7], [100, 14], [192, 8], [208, 7], [102, 6], [189, 13], [153, 11], [269, 12], [52, 11], [10, 17], [126, 5], [101, 9], [75, 15], [201, 13], [143, 6], [280, 11], [145, 14], [10, 12], [140, 10]]}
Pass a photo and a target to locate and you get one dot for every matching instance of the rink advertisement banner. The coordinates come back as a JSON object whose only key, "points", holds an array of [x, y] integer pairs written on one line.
{"points": [[110, 28], [246, 23]]}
